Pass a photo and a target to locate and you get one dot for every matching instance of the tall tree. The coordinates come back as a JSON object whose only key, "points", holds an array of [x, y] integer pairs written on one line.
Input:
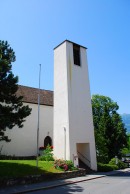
{"points": [[12, 111], [110, 133]]}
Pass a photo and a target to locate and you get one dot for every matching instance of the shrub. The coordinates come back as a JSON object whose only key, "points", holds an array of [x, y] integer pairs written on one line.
{"points": [[64, 165], [120, 165], [102, 159], [69, 164], [47, 154], [43, 148], [106, 167]]}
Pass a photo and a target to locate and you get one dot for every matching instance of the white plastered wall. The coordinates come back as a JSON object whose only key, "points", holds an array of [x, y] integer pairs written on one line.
{"points": [[80, 110], [24, 140], [61, 133], [72, 104]]}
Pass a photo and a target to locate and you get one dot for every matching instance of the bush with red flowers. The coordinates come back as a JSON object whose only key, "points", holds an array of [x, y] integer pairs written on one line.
{"points": [[42, 148], [64, 165]]}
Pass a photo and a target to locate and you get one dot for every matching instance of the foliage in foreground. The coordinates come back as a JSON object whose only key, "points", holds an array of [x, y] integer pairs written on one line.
{"points": [[106, 167], [47, 154], [120, 164], [64, 165], [12, 111], [110, 133], [124, 151], [111, 165]]}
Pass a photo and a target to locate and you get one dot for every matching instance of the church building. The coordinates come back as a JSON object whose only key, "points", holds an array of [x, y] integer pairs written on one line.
{"points": [[66, 121]]}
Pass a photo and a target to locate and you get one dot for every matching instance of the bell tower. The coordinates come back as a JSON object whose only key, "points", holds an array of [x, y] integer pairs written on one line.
{"points": [[73, 123]]}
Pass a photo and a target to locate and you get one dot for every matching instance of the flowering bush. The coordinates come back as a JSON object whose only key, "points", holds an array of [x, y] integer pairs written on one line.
{"points": [[64, 165], [42, 148], [47, 154]]}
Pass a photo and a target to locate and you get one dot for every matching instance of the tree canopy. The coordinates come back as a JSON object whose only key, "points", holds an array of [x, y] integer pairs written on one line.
{"points": [[110, 133], [12, 110]]}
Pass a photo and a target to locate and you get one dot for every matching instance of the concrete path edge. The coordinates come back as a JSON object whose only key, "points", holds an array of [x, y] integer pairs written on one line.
{"points": [[77, 180]]}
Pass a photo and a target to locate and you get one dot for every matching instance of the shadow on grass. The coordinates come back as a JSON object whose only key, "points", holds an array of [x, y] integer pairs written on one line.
{"points": [[16, 169], [26, 172]]}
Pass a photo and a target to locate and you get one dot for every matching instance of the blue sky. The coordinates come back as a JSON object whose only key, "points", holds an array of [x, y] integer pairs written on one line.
{"points": [[34, 27]]}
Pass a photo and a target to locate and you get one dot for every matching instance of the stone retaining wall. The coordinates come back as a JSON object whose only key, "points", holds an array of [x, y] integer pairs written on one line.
{"points": [[42, 177]]}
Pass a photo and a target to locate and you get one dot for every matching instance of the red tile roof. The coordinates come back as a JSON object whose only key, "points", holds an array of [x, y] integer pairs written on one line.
{"points": [[30, 95]]}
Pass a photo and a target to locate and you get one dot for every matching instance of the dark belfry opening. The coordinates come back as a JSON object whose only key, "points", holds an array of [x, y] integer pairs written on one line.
{"points": [[76, 54]]}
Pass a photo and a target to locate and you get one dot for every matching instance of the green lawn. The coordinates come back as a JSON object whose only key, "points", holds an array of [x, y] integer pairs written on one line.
{"points": [[19, 168]]}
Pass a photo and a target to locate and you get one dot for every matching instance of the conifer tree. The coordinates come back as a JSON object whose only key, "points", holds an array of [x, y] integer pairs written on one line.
{"points": [[12, 110]]}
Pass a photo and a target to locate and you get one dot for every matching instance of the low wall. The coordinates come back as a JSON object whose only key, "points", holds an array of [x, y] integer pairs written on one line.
{"points": [[42, 177]]}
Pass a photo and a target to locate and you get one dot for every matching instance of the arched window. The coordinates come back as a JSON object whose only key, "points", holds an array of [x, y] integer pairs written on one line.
{"points": [[47, 141]]}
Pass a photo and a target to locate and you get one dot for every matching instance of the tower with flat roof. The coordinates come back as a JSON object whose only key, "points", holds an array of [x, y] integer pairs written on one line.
{"points": [[73, 124]]}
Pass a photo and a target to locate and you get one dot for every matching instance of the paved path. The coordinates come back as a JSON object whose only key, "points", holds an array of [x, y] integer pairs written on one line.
{"points": [[32, 188], [114, 184]]}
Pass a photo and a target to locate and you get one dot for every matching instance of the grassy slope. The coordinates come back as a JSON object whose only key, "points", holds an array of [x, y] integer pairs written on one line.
{"points": [[19, 168]]}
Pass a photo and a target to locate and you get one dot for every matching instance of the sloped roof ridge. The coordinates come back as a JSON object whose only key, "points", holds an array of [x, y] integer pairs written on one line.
{"points": [[35, 88], [30, 95]]}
